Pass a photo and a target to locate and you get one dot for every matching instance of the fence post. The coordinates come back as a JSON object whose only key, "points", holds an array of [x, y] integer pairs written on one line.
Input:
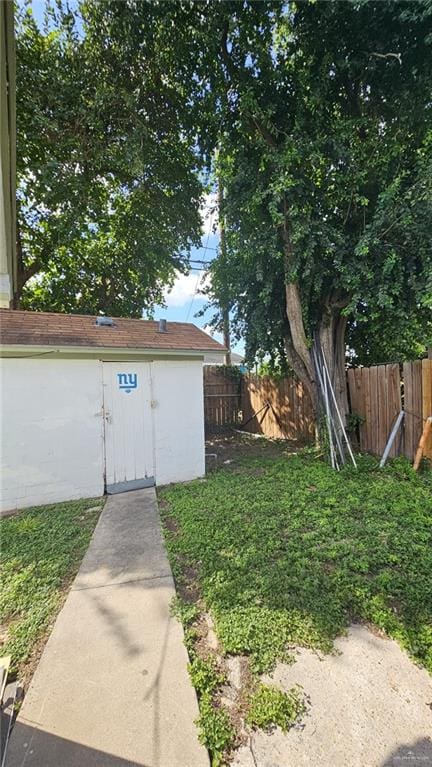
{"points": [[427, 402]]}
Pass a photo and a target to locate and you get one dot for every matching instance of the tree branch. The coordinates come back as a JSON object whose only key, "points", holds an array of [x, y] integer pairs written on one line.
{"points": [[267, 135], [253, 120], [31, 270], [224, 49], [397, 56], [24, 273]]}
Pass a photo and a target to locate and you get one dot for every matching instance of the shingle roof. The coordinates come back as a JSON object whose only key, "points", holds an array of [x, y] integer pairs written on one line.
{"points": [[46, 329]]}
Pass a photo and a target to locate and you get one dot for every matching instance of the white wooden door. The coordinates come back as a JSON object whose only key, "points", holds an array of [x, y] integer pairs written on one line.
{"points": [[128, 426]]}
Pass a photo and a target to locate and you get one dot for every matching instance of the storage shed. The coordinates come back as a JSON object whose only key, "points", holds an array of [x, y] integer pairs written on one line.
{"points": [[91, 404]]}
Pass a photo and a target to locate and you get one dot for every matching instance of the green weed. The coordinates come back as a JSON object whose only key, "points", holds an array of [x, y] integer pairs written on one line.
{"points": [[214, 724], [289, 552], [215, 730], [269, 707], [185, 612], [205, 675], [41, 549]]}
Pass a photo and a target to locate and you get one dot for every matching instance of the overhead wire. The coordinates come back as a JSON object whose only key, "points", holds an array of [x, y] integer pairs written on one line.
{"points": [[204, 262]]}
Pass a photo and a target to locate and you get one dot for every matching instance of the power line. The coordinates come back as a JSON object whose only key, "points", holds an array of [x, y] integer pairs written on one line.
{"points": [[203, 262], [198, 261]]}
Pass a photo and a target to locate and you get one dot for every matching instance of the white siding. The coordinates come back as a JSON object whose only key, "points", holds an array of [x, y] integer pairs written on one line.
{"points": [[51, 431], [178, 420]]}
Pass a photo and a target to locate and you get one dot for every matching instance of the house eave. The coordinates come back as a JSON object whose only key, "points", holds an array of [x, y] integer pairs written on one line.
{"points": [[107, 353]]}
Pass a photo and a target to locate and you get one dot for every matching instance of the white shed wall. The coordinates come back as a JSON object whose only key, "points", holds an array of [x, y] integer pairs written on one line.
{"points": [[52, 428], [51, 431], [178, 420]]}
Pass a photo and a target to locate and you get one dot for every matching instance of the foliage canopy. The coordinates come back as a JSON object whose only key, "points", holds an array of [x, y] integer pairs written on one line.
{"points": [[108, 173], [321, 113], [326, 161]]}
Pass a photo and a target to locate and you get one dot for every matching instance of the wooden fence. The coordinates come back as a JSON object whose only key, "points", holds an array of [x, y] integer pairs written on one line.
{"points": [[380, 392], [279, 409], [282, 409], [222, 393], [376, 397]]}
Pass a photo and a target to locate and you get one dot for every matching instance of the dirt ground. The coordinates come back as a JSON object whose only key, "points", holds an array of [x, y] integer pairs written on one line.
{"points": [[225, 447]]}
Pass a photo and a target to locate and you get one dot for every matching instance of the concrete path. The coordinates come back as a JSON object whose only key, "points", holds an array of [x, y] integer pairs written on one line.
{"points": [[112, 688], [370, 706]]}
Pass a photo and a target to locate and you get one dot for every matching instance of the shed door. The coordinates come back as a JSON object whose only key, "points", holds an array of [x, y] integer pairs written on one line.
{"points": [[128, 426]]}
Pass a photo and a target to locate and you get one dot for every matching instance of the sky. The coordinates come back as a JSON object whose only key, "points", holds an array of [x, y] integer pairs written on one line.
{"points": [[184, 300]]}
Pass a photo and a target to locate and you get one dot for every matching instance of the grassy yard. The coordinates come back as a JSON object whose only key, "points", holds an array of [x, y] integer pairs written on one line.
{"points": [[41, 550], [276, 550]]}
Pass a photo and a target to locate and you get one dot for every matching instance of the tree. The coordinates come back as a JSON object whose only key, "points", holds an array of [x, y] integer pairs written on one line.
{"points": [[326, 160], [322, 115], [108, 177]]}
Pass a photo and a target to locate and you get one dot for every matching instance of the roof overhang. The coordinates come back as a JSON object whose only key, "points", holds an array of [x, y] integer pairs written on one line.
{"points": [[108, 353]]}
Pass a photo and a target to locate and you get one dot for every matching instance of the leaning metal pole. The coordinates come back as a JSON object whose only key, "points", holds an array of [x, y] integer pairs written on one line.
{"points": [[324, 397], [339, 415]]}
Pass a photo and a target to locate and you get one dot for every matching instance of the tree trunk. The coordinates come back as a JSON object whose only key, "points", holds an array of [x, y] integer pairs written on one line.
{"points": [[331, 332], [222, 255], [24, 273], [332, 338]]}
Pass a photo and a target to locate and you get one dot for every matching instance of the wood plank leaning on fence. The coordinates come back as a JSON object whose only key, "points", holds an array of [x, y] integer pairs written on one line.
{"points": [[427, 403], [422, 444]]}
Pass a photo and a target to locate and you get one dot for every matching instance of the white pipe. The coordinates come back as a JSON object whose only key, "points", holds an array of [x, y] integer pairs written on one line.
{"points": [[339, 415], [332, 424], [391, 438], [326, 405]]}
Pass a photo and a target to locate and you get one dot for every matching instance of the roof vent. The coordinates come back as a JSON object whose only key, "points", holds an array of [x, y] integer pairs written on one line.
{"points": [[162, 326], [102, 322]]}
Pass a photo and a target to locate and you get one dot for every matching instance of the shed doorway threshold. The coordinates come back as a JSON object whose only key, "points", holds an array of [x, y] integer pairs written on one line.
{"points": [[131, 484]]}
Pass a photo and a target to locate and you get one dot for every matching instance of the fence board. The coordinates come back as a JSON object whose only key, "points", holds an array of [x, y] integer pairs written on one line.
{"points": [[365, 433], [372, 424], [352, 390], [222, 406], [408, 383], [394, 405], [412, 376], [361, 404], [282, 409], [427, 401], [381, 414]]}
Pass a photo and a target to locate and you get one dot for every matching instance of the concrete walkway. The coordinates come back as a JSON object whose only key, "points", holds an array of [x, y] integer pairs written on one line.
{"points": [[112, 688], [370, 706]]}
